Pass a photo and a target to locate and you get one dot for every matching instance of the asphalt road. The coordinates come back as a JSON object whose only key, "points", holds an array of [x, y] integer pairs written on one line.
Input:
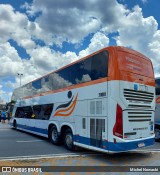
{"points": [[14, 143], [18, 143], [22, 149]]}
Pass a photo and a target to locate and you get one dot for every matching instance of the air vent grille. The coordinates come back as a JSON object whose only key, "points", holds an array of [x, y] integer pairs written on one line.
{"points": [[141, 98], [139, 116]]}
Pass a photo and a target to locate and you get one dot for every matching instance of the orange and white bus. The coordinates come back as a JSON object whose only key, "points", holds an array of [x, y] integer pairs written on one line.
{"points": [[103, 102], [157, 112]]}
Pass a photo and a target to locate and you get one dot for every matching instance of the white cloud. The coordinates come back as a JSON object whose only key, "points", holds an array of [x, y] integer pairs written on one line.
{"points": [[98, 42], [10, 61], [141, 34], [72, 20], [44, 60], [4, 96], [154, 47], [14, 25], [9, 84]]}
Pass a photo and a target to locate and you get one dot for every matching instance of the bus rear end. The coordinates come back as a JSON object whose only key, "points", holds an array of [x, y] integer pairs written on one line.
{"points": [[132, 89]]}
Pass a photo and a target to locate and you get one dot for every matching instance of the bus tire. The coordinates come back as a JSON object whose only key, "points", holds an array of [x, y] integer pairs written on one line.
{"points": [[54, 136], [68, 140], [157, 134], [15, 124]]}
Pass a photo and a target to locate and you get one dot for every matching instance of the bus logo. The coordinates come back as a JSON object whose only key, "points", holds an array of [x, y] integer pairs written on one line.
{"points": [[135, 87], [67, 109]]}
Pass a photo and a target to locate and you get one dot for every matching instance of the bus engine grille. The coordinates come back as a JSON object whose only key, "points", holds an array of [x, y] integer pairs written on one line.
{"points": [[139, 98], [139, 116]]}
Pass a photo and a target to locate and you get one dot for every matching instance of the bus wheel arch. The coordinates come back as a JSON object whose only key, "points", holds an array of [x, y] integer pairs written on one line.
{"points": [[67, 135], [53, 134], [15, 124]]}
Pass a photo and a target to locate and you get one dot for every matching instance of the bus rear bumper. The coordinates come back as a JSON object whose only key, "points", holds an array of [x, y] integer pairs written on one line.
{"points": [[122, 145]]}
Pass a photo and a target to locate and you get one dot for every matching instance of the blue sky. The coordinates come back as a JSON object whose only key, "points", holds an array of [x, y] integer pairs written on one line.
{"points": [[37, 36]]}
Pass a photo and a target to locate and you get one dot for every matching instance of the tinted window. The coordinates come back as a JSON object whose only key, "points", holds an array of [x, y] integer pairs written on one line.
{"points": [[81, 72], [24, 112], [18, 93], [18, 113], [158, 87], [28, 111], [47, 84], [99, 66], [61, 78], [92, 68], [28, 90], [43, 112], [37, 84]]}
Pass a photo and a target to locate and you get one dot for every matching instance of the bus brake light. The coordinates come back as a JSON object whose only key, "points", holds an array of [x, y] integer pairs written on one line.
{"points": [[118, 127]]}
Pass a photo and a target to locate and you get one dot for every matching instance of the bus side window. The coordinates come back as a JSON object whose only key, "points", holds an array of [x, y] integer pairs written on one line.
{"points": [[99, 68], [17, 113], [28, 112], [43, 112], [47, 111], [36, 111]]}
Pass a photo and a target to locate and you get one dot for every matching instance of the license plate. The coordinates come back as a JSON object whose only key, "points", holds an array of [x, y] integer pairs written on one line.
{"points": [[141, 145]]}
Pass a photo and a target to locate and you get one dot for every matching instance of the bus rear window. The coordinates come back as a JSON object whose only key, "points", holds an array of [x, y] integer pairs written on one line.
{"points": [[133, 63]]}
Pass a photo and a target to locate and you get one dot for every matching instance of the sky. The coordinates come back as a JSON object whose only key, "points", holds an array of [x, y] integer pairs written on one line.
{"points": [[40, 36]]}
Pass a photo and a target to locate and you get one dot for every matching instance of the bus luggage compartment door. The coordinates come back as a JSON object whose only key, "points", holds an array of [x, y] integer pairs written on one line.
{"points": [[137, 124]]}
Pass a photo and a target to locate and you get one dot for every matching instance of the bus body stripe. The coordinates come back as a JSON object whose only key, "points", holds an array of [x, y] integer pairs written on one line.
{"points": [[65, 105], [34, 129], [61, 113]]}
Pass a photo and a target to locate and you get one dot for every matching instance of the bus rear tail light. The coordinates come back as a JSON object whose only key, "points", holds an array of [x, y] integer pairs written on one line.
{"points": [[118, 127]]}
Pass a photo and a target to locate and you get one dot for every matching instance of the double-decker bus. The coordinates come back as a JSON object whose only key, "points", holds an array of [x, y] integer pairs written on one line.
{"points": [[103, 102], [157, 111]]}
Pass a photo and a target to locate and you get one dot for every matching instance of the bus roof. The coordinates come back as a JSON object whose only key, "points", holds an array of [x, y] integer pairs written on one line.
{"points": [[134, 52]]}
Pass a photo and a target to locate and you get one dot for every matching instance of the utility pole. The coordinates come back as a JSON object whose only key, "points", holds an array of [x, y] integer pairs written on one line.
{"points": [[20, 75]]}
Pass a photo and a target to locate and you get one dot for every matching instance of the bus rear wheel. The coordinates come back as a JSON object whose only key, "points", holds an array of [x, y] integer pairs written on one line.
{"points": [[54, 136], [68, 140]]}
